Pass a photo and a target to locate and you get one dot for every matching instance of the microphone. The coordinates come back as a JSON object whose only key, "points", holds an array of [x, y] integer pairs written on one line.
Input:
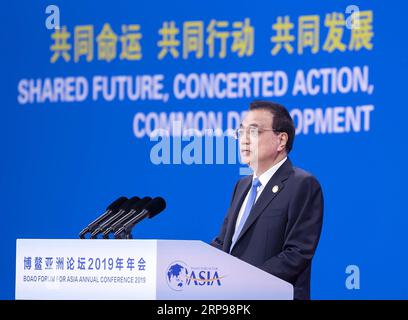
{"points": [[110, 210], [135, 209], [124, 208], [153, 208]]}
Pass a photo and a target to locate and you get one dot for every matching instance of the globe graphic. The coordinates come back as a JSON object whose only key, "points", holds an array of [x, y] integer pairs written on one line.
{"points": [[176, 276]]}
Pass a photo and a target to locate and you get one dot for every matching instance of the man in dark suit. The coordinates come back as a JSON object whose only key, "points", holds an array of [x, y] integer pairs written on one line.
{"points": [[275, 216]]}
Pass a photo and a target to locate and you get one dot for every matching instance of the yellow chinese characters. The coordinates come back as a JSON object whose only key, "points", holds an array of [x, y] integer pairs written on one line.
{"points": [[106, 41], [309, 33], [215, 39]]}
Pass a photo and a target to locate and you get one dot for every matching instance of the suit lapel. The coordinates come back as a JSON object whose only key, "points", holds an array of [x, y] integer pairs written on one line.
{"points": [[267, 195]]}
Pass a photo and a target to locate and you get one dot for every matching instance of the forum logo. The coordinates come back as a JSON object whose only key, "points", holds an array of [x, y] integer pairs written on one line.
{"points": [[179, 276]]}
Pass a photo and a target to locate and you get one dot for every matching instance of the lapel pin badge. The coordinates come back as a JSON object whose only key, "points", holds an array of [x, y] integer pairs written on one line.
{"points": [[275, 189]]}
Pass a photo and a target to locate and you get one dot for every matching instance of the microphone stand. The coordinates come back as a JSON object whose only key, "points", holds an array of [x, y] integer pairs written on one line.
{"points": [[125, 234]]}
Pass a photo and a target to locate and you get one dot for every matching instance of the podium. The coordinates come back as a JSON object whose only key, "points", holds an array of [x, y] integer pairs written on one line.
{"points": [[100, 269]]}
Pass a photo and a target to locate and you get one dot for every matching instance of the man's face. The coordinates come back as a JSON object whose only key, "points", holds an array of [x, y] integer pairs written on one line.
{"points": [[259, 144]]}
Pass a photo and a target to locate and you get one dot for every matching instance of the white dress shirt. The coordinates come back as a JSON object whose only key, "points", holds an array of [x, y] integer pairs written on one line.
{"points": [[264, 179]]}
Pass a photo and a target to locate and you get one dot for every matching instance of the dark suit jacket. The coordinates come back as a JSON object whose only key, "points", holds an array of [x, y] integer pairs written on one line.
{"points": [[281, 233]]}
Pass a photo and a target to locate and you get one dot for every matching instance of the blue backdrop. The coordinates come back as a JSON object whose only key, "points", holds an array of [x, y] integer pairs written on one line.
{"points": [[67, 153]]}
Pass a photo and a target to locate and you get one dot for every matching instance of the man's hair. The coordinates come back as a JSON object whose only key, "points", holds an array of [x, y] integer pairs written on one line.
{"points": [[282, 121]]}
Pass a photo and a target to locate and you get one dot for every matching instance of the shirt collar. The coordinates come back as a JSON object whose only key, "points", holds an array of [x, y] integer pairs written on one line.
{"points": [[267, 175]]}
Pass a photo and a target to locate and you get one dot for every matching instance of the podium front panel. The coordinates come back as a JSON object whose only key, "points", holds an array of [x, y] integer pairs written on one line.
{"points": [[85, 269]]}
